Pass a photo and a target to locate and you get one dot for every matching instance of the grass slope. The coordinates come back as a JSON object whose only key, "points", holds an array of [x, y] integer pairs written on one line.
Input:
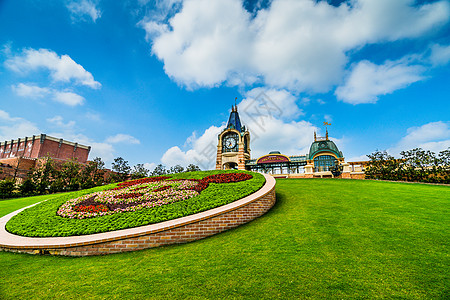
{"points": [[324, 239]]}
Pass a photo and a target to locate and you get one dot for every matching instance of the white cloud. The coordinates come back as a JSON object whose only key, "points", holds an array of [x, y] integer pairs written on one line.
{"points": [[290, 138], [153, 29], [277, 102], [62, 68], [358, 158], [122, 138], [68, 98], [267, 114], [433, 136], [367, 81], [426, 133], [30, 91], [33, 91], [209, 40], [440, 55], [4, 116], [150, 166], [58, 121], [104, 150], [69, 131], [93, 116], [81, 9], [202, 151], [328, 118], [14, 127], [295, 45]]}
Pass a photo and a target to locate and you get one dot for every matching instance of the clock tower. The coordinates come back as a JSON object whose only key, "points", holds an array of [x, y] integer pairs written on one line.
{"points": [[233, 147]]}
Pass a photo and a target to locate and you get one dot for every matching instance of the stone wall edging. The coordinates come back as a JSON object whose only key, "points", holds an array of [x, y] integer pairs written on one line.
{"points": [[180, 230]]}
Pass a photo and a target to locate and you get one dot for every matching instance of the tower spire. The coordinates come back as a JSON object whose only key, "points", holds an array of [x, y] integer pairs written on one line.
{"points": [[234, 121]]}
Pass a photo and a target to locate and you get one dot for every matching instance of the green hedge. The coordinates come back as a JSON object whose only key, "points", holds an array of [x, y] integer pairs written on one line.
{"points": [[42, 220]]}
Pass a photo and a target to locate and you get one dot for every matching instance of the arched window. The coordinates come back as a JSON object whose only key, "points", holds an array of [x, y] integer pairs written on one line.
{"points": [[324, 163], [246, 149]]}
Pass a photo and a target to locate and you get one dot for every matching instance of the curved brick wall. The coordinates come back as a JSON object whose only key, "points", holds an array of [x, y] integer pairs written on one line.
{"points": [[176, 231]]}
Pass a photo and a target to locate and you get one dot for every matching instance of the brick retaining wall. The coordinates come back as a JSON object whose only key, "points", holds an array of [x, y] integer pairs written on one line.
{"points": [[177, 231]]}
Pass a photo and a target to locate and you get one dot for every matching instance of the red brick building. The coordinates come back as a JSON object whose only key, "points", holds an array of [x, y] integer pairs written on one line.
{"points": [[43, 146], [20, 155]]}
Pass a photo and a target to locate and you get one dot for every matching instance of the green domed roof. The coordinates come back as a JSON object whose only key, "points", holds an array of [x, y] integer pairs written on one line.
{"points": [[324, 146]]}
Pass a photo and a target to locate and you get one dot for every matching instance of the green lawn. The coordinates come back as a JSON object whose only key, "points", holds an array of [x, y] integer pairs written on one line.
{"points": [[324, 239]]}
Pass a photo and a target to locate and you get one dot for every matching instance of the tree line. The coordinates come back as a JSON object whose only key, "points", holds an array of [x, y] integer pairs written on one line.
{"points": [[50, 177], [416, 165]]}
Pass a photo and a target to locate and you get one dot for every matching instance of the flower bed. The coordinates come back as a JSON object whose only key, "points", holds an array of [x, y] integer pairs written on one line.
{"points": [[156, 191], [126, 199], [134, 203]]}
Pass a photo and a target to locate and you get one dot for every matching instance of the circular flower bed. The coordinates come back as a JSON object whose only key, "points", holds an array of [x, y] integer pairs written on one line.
{"points": [[142, 193], [134, 203]]}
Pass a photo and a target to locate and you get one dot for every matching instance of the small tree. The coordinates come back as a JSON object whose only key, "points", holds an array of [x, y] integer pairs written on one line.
{"points": [[159, 170], [417, 164], [336, 170], [93, 173], [56, 186], [70, 175], [16, 169], [444, 166], [99, 171], [176, 169], [27, 187], [86, 176], [383, 166], [7, 187], [122, 169], [192, 168], [139, 171], [44, 176]]}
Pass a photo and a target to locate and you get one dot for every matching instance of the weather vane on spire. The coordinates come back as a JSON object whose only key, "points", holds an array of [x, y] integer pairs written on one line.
{"points": [[326, 128]]}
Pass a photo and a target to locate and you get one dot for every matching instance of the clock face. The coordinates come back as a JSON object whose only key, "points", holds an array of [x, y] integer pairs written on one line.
{"points": [[230, 143]]}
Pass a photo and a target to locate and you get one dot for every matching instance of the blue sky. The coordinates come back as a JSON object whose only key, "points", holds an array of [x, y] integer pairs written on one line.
{"points": [[154, 81]]}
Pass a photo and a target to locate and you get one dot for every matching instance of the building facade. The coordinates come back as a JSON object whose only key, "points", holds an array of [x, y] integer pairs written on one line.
{"points": [[18, 156], [43, 146], [233, 148], [323, 160]]}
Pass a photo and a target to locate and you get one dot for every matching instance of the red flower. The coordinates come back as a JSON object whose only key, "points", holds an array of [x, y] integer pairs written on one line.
{"points": [[128, 195], [161, 188], [91, 208], [125, 184], [220, 178]]}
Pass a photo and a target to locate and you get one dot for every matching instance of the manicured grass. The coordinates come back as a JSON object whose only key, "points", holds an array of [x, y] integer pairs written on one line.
{"points": [[9, 205], [324, 239]]}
